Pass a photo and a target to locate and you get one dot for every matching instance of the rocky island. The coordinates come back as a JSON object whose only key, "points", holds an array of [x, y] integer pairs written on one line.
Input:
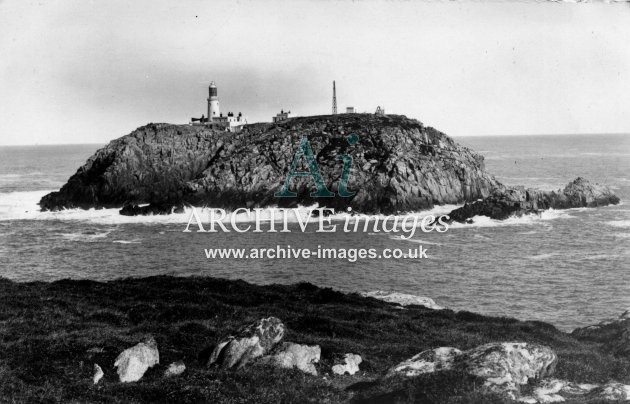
{"points": [[399, 165]]}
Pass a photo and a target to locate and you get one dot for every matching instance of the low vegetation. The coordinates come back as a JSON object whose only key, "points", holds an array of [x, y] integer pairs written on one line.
{"points": [[51, 334]]}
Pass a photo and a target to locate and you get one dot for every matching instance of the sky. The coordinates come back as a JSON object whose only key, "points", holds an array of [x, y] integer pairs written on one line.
{"points": [[92, 71]]}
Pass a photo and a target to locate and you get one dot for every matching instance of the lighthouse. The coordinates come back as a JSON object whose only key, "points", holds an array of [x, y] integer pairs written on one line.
{"points": [[213, 103]]}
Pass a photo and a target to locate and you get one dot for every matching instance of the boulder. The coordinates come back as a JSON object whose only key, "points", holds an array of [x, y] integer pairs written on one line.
{"points": [[98, 374], [132, 363], [175, 369], [403, 299], [253, 341], [509, 362], [349, 365], [429, 361], [291, 355]]}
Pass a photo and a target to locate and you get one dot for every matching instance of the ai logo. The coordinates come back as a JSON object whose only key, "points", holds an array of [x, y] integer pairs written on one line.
{"points": [[305, 151]]}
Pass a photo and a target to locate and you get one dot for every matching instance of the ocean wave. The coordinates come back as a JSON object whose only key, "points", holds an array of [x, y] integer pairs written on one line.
{"points": [[412, 240], [619, 223], [85, 237], [134, 241], [541, 257], [24, 206], [484, 221]]}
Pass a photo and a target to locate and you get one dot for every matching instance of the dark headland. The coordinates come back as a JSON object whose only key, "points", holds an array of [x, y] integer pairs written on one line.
{"points": [[400, 165]]}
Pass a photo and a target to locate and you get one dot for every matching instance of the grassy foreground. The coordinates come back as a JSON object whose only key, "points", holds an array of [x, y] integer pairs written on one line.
{"points": [[46, 330]]}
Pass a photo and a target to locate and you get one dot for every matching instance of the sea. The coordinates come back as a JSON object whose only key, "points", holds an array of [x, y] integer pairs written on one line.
{"points": [[569, 267]]}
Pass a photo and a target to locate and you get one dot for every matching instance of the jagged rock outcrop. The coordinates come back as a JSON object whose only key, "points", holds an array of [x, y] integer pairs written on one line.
{"points": [[515, 201], [504, 366], [252, 342], [399, 165]]}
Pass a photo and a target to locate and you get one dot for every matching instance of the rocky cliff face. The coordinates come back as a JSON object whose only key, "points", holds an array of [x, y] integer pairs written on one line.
{"points": [[399, 165]]}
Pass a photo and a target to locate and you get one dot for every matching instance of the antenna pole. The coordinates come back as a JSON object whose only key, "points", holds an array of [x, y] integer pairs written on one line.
{"points": [[334, 103]]}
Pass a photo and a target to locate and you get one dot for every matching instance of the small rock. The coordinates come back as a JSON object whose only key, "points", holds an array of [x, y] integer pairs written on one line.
{"points": [[254, 341], [350, 365], [291, 355], [98, 374], [132, 363], [175, 369], [547, 391], [432, 360], [403, 299]]}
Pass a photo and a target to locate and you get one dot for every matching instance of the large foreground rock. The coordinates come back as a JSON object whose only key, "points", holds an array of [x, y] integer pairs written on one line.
{"points": [[254, 341], [399, 165], [132, 363], [515, 201], [504, 366]]}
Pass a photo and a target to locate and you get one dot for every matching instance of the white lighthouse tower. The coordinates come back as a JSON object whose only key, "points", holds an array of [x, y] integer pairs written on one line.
{"points": [[213, 103]]}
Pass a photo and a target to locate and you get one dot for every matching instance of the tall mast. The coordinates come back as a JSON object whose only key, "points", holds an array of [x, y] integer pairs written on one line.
{"points": [[334, 104]]}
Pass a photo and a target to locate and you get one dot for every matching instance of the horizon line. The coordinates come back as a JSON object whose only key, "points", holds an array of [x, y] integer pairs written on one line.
{"points": [[453, 136]]}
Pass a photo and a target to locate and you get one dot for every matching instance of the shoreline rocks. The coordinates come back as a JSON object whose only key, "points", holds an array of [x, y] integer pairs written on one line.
{"points": [[516, 201]]}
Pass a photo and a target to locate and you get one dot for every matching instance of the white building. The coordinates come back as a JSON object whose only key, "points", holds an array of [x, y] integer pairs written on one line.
{"points": [[282, 116], [230, 122]]}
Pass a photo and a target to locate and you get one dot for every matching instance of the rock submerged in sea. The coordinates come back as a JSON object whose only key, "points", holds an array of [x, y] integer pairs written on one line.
{"points": [[515, 201], [132, 363], [399, 165], [252, 342]]}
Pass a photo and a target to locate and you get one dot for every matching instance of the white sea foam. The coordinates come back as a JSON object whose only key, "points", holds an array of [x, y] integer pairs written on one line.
{"points": [[541, 257], [24, 206], [525, 220], [134, 241], [84, 237], [619, 223], [413, 240]]}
